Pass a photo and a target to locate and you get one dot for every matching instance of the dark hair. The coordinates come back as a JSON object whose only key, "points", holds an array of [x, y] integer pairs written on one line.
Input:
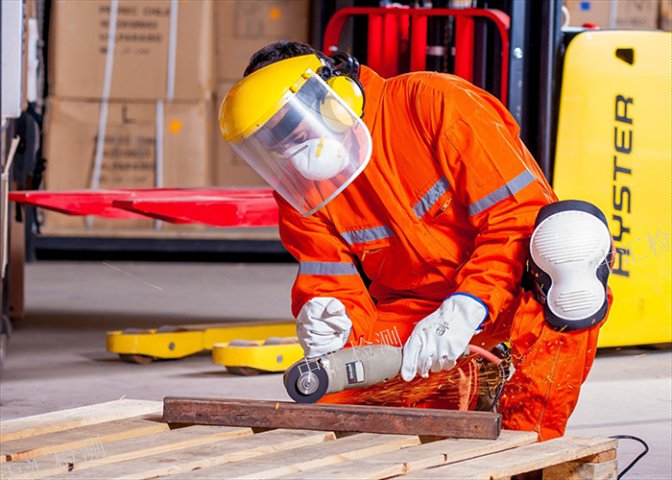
{"points": [[279, 51]]}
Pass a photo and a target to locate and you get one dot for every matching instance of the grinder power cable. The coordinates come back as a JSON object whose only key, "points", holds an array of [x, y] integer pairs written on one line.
{"points": [[309, 379]]}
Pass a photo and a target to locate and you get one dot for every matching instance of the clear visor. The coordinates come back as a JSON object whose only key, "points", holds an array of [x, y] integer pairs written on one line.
{"points": [[310, 149]]}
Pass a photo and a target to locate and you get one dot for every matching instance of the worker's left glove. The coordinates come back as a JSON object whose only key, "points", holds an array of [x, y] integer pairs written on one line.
{"points": [[322, 326], [439, 339]]}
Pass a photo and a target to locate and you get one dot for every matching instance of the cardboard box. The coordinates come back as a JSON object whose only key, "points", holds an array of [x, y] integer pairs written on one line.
{"points": [[229, 169], [130, 154], [140, 69], [618, 14], [582, 12], [245, 26], [636, 14], [665, 20]]}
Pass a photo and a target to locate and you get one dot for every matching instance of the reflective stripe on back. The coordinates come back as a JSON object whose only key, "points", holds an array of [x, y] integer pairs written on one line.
{"points": [[431, 197], [510, 188], [327, 268], [367, 235]]}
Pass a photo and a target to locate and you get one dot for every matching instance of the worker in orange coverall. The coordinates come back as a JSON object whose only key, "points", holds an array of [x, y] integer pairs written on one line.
{"points": [[414, 223]]}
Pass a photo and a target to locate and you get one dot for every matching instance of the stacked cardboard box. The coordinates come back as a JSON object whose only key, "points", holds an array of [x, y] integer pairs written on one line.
{"points": [[154, 42], [619, 14], [147, 79], [243, 27], [636, 14], [129, 150], [141, 78], [665, 20]]}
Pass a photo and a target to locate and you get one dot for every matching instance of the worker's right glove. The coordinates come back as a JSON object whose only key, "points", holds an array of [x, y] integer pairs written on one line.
{"points": [[322, 326], [439, 339]]}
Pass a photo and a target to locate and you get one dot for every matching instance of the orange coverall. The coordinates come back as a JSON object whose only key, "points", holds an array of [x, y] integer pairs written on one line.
{"points": [[447, 204]]}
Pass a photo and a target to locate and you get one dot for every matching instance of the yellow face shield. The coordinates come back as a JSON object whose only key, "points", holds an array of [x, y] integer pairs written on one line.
{"points": [[311, 147]]}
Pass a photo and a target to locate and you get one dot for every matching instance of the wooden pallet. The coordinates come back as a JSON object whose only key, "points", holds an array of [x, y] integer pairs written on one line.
{"points": [[129, 439]]}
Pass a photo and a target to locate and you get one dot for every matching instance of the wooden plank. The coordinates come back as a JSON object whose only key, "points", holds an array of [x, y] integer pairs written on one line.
{"points": [[520, 460], [30, 447], [302, 459], [98, 455], [417, 458], [76, 417], [582, 471], [210, 455], [600, 457], [346, 418]]}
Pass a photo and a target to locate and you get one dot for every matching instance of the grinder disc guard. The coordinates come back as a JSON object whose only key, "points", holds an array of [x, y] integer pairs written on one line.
{"points": [[306, 382]]}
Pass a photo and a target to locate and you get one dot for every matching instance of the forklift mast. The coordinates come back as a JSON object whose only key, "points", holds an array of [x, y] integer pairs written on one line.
{"points": [[533, 50]]}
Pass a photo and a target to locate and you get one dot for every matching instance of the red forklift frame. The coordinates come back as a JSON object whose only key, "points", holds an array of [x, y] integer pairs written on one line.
{"points": [[395, 31]]}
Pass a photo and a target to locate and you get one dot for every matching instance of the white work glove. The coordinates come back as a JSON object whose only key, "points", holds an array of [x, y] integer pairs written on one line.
{"points": [[322, 326], [439, 339]]}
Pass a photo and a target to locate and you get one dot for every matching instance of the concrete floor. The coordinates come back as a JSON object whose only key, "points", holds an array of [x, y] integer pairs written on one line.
{"points": [[57, 357]]}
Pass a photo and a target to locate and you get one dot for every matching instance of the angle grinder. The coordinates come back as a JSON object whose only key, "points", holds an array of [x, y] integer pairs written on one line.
{"points": [[310, 379]]}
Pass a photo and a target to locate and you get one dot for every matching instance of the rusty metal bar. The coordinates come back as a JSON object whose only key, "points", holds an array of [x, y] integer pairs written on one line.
{"points": [[346, 418]]}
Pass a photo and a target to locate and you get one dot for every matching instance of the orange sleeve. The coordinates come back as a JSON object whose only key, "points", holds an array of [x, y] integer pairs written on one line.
{"points": [[496, 179], [326, 267]]}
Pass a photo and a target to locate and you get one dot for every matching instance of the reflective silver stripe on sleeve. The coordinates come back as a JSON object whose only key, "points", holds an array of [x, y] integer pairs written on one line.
{"points": [[510, 188], [327, 268], [431, 197], [367, 235]]}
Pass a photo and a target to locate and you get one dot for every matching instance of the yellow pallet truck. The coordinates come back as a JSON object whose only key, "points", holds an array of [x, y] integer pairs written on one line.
{"points": [[178, 341], [252, 357]]}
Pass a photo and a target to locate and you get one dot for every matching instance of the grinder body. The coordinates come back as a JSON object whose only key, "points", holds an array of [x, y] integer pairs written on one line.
{"points": [[310, 379]]}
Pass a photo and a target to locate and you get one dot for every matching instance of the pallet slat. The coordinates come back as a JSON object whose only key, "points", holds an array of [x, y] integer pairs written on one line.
{"points": [[115, 452], [211, 455], [417, 458], [307, 459], [520, 460], [347, 418], [50, 443], [76, 417], [582, 471]]}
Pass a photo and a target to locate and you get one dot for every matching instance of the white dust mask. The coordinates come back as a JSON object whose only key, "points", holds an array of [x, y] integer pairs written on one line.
{"points": [[319, 158]]}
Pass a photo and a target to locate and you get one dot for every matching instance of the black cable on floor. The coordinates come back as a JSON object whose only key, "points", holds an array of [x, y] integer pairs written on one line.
{"points": [[638, 458]]}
